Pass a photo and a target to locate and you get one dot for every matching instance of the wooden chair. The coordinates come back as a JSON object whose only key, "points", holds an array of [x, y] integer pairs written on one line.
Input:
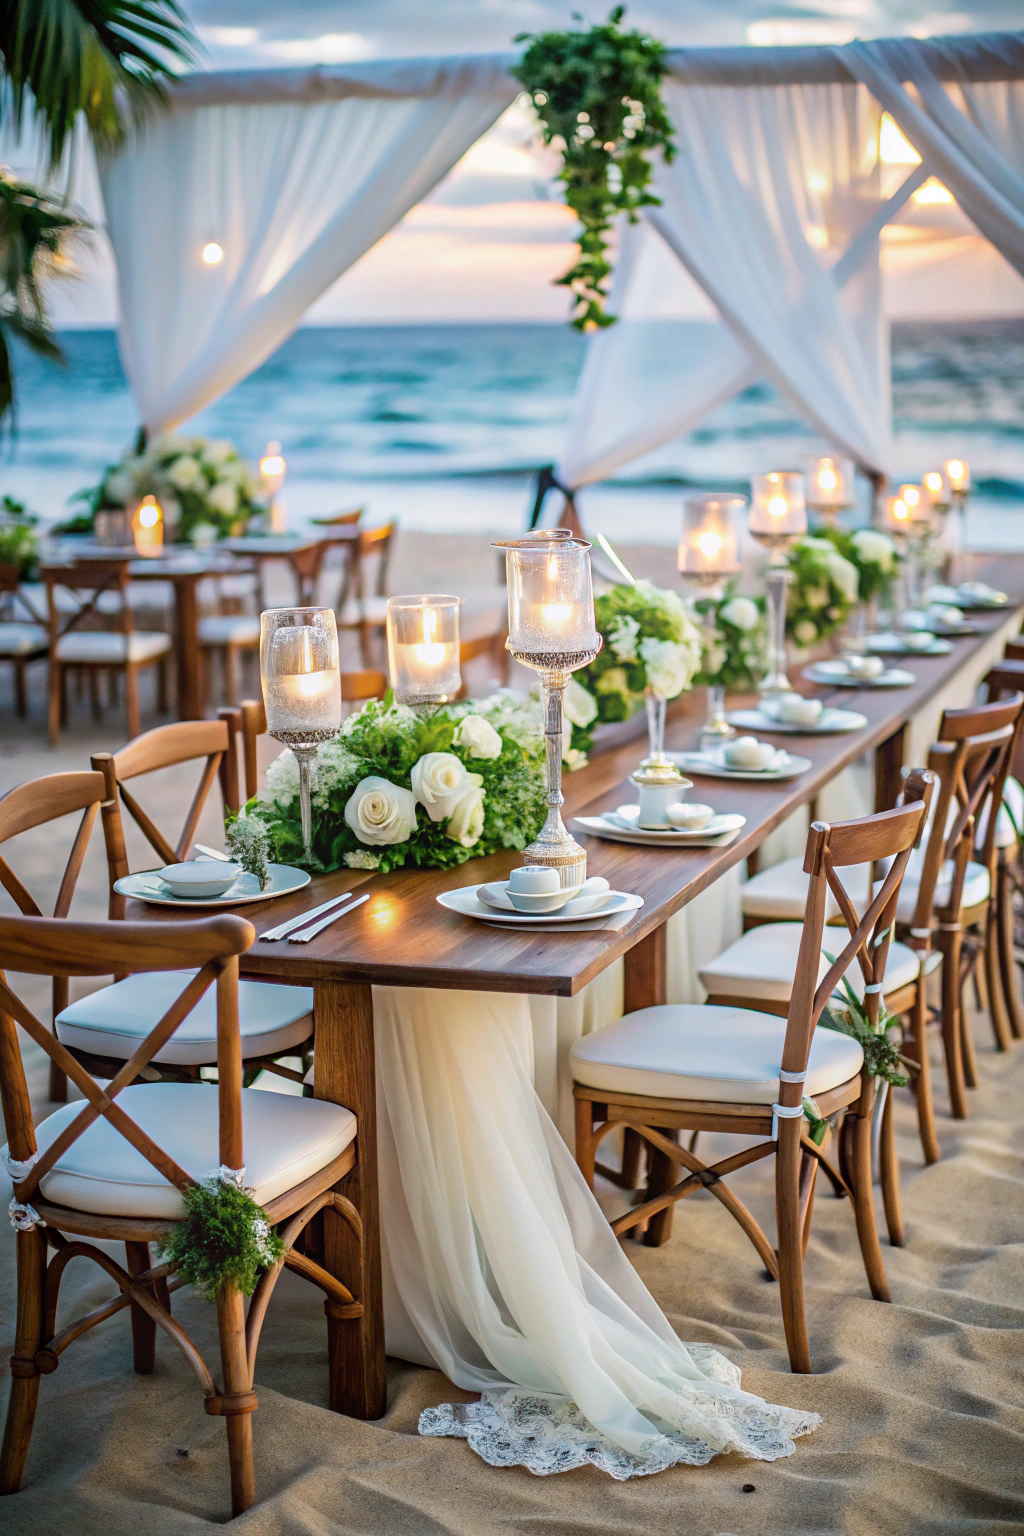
{"points": [[345, 544], [365, 610], [87, 1171], [104, 1029], [20, 642], [1004, 679], [492, 647], [249, 721], [663, 1070], [95, 651]]}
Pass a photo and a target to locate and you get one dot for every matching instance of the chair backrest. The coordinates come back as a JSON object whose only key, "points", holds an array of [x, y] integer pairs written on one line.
{"points": [[41, 946], [889, 836], [1014, 650], [87, 580], [491, 646], [249, 720], [374, 544], [1005, 679], [339, 519], [164, 747]]}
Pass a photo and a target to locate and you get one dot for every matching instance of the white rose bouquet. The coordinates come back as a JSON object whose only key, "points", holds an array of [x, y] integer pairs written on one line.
{"points": [[734, 642], [197, 481], [824, 588], [395, 787]]}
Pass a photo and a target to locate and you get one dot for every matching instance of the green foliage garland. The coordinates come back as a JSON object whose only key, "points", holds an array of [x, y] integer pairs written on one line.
{"points": [[224, 1240], [733, 643], [598, 94], [822, 590]]}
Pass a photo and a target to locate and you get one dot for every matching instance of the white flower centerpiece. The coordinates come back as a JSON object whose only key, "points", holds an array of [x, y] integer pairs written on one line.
{"points": [[203, 485], [397, 786]]}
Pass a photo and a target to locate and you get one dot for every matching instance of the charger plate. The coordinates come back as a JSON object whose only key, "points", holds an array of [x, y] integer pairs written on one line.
{"points": [[831, 722], [713, 768], [835, 675], [720, 830], [147, 886], [467, 903], [892, 643]]}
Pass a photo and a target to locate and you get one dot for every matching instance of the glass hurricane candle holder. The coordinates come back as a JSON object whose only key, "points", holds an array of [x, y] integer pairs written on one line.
{"points": [[148, 528], [708, 559], [778, 517], [301, 690], [551, 630], [423, 649], [830, 486], [958, 474]]}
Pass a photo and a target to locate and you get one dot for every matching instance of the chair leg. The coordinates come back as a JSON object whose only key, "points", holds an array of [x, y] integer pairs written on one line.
{"points": [[890, 1169], [235, 1367], [21, 1408], [790, 1245], [586, 1148], [1004, 940], [19, 687], [143, 1326], [864, 1199], [993, 978], [965, 1034], [56, 693], [951, 944], [94, 693], [161, 685], [661, 1176], [231, 673], [916, 1045], [633, 1151], [131, 701]]}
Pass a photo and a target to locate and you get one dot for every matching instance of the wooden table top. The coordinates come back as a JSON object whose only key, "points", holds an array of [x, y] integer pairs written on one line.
{"points": [[403, 937]]}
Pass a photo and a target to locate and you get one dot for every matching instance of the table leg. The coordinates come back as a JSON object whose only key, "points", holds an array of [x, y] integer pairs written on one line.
{"points": [[889, 758], [345, 1074], [187, 660]]}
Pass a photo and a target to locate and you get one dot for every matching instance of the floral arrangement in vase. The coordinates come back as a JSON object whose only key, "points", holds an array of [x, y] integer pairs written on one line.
{"points": [[874, 555], [398, 787], [734, 639], [19, 541], [824, 587], [204, 486], [652, 647]]}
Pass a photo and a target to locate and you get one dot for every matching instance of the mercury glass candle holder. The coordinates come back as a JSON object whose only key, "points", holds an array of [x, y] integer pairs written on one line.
{"points": [[551, 630], [830, 481], [423, 649], [708, 558], [301, 690], [778, 517]]}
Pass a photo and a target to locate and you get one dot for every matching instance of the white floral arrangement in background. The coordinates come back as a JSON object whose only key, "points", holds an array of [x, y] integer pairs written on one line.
{"points": [[203, 484]]}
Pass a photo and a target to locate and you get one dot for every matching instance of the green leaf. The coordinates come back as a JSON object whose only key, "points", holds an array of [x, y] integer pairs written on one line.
{"points": [[224, 1241]]}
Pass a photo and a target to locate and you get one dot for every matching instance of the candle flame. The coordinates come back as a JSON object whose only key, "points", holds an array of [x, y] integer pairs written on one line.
{"points": [[709, 544], [430, 655], [556, 615], [778, 506], [312, 685], [827, 477], [900, 510], [911, 495], [149, 512], [933, 480], [273, 464]]}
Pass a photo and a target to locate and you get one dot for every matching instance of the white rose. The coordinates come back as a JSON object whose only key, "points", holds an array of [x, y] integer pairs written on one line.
{"points": [[875, 548], [381, 812], [805, 633], [740, 612], [669, 667], [574, 758], [466, 820], [185, 473], [844, 576], [580, 706], [438, 779], [478, 737], [622, 637], [816, 597], [217, 450], [223, 498]]}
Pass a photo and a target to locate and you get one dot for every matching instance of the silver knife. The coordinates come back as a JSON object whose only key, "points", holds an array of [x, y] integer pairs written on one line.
{"points": [[283, 929], [325, 922]]}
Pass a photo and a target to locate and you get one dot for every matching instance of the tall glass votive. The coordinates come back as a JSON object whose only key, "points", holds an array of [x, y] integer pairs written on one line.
{"points": [[423, 649], [778, 517], [830, 480], [552, 631], [301, 690], [709, 557], [958, 474]]}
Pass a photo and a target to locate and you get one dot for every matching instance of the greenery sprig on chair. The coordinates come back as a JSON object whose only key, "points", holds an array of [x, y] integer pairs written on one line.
{"points": [[225, 1238], [598, 95]]}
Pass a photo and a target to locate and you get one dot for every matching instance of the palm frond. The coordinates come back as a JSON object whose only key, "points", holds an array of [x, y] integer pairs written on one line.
{"points": [[107, 59]]}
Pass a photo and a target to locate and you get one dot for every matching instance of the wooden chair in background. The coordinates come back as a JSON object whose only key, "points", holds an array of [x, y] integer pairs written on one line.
{"points": [[249, 721], [1004, 679], [341, 539], [365, 611], [87, 1171], [21, 641], [664, 1070], [123, 650], [491, 647]]}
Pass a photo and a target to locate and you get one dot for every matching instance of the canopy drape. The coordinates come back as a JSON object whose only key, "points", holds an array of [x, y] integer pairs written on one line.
{"points": [[293, 190]]}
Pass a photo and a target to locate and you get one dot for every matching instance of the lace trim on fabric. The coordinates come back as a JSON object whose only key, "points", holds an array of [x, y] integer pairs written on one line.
{"points": [[546, 1433]]}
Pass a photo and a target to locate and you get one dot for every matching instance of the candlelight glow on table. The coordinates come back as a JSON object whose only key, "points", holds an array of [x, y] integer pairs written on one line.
{"points": [[552, 631], [708, 557], [958, 474], [830, 486], [148, 528], [423, 648], [301, 689], [778, 517]]}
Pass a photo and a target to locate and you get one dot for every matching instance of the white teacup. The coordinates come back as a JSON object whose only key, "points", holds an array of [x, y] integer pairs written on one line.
{"points": [[793, 709], [655, 800]]}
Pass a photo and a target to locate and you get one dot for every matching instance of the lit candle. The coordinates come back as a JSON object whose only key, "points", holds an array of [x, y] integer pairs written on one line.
{"points": [[959, 475], [302, 684], [936, 488], [778, 508], [423, 648], [896, 516], [148, 528], [709, 543], [272, 470], [830, 481], [550, 600]]}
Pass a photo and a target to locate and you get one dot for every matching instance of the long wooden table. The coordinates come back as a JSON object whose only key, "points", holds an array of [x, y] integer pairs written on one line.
{"points": [[402, 937]]}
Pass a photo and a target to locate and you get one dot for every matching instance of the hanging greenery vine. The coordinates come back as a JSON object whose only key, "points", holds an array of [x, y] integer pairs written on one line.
{"points": [[225, 1238], [598, 95]]}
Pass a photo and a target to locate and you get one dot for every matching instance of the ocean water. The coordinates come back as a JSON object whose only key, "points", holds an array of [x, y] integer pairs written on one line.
{"points": [[442, 425]]}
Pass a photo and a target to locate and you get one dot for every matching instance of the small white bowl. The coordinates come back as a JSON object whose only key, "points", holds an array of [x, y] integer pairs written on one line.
{"points": [[534, 880], [747, 752], [867, 668], [550, 901], [689, 817], [199, 878], [793, 709]]}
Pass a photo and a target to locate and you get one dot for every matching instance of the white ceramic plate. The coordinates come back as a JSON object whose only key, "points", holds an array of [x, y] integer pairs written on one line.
{"points": [[918, 619], [467, 903], [623, 829], [581, 905], [147, 886], [831, 722], [959, 597], [629, 816], [893, 644], [714, 768], [834, 674]]}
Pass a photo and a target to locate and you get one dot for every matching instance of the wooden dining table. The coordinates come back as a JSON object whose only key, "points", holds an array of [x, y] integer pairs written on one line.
{"points": [[402, 937]]}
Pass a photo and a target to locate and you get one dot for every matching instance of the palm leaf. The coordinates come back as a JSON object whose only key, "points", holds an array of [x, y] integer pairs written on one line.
{"points": [[107, 59]]}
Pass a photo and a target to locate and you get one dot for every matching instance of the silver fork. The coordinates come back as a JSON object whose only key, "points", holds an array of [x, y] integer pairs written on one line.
{"points": [[325, 922]]}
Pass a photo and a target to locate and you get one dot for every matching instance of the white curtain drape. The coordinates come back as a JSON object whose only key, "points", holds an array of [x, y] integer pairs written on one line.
{"points": [[294, 186], [969, 133], [769, 191]]}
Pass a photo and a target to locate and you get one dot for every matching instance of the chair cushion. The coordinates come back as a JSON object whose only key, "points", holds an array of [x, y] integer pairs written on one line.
{"points": [[110, 648], [372, 610], [976, 888], [112, 1021], [22, 639], [761, 964], [229, 629], [699, 1051], [286, 1140], [1009, 818], [780, 892]]}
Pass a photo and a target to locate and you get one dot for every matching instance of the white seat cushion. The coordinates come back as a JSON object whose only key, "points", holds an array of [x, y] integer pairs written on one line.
{"points": [[285, 1140], [761, 964], [229, 629], [372, 610], [699, 1051], [780, 892], [107, 647], [976, 887], [22, 639], [112, 1021]]}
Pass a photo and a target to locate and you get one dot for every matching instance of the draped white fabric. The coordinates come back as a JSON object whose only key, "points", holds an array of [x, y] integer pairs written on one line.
{"points": [[294, 192], [501, 1269], [769, 190]]}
